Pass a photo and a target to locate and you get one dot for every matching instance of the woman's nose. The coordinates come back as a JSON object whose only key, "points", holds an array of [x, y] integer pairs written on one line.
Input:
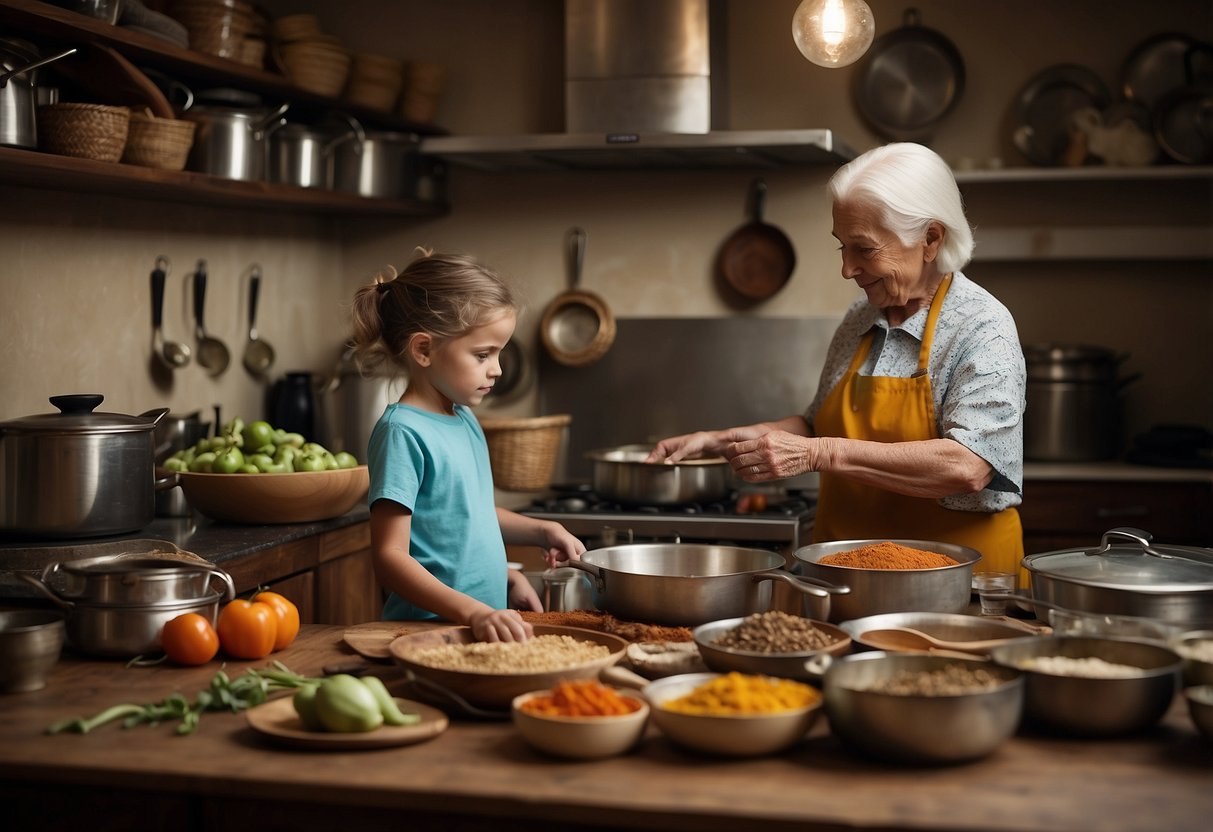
{"points": [[850, 268]]}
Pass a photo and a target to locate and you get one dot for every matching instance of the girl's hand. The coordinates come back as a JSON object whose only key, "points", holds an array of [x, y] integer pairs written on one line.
{"points": [[560, 545], [522, 595], [499, 625]]}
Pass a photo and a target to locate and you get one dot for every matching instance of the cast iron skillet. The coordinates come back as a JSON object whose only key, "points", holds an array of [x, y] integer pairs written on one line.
{"points": [[757, 259], [910, 79]]}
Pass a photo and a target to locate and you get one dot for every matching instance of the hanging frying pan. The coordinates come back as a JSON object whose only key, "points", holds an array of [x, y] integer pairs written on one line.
{"points": [[577, 327], [910, 79], [757, 259]]}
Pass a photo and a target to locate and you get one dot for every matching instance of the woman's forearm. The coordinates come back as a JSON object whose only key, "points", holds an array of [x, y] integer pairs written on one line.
{"points": [[929, 468]]}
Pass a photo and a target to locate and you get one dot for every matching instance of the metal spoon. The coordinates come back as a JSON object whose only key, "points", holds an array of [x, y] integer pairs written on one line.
{"points": [[212, 353], [173, 353], [258, 355]]}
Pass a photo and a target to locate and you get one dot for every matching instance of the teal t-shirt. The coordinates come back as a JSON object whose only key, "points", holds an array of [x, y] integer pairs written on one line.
{"points": [[437, 466]]}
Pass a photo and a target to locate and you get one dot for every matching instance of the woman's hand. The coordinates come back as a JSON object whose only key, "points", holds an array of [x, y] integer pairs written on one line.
{"points": [[521, 594], [499, 625], [775, 455], [559, 545]]}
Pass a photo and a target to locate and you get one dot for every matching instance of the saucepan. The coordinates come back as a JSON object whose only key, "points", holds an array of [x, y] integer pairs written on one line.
{"points": [[577, 327], [622, 475], [18, 60], [137, 581], [687, 584]]}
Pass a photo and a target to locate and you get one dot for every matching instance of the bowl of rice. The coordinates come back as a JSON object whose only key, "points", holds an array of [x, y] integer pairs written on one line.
{"points": [[489, 675], [1087, 686]]}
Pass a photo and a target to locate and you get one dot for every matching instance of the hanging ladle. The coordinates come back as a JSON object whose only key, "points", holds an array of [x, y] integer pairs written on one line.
{"points": [[258, 355], [212, 353], [174, 354]]}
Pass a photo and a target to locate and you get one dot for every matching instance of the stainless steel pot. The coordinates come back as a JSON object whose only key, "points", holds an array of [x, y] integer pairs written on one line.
{"points": [[377, 164], [685, 584], [621, 474], [1128, 574], [876, 591], [18, 96], [350, 403], [1074, 403], [78, 473], [231, 141], [135, 581], [299, 156], [176, 433]]}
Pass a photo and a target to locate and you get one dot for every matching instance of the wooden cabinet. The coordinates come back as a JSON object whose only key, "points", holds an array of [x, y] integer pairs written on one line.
{"points": [[1061, 514]]}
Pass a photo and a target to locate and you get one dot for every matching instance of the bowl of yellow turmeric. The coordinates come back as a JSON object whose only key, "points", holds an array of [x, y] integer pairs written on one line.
{"points": [[733, 714], [581, 719]]}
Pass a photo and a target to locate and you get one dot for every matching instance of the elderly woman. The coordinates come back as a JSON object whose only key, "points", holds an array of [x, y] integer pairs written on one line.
{"points": [[917, 425]]}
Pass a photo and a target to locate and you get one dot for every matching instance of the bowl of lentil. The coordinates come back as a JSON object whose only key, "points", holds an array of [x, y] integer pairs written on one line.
{"points": [[1200, 707], [919, 708], [941, 625], [1088, 686], [732, 714], [771, 643], [489, 675], [581, 719], [1196, 647], [891, 575]]}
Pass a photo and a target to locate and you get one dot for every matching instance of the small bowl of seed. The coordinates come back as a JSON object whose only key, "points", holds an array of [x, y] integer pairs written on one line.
{"points": [[770, 643]]}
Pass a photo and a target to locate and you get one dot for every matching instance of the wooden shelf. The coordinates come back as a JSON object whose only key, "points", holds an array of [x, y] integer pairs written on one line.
{"points": [[65, 173], [1088, 173]]}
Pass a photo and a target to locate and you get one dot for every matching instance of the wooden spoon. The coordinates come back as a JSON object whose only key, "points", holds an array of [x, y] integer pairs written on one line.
{"points": [[906, 638]]}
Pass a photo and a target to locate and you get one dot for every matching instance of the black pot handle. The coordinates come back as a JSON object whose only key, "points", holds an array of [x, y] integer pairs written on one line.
{"points": [[77, 404]]}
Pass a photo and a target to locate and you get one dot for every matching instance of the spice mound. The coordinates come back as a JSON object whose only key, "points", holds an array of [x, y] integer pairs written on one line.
{"points": [[774, 632], [604, 622], [1089, 667], [540, 654], [581, 698], [888, 555], [738, 694], [949, 680]]}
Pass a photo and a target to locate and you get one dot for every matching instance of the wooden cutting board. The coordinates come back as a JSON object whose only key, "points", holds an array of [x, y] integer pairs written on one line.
{"points": [[371, 640]]}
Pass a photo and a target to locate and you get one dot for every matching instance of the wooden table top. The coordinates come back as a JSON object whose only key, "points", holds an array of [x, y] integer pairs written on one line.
{"points": [[1162, 779]]}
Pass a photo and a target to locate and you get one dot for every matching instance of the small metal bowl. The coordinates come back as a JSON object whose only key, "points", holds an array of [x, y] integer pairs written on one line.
{"points": [[1200, 706], [1196, 671], [919, 728], [1086, 706], [786, 665], [30, 643]]}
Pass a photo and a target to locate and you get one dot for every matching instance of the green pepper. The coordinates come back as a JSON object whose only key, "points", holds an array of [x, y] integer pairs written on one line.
{"points": [[304, 701], [178, 465], [295, 440], [346, 705], [248, 468], [392, 715], [202, 463]]}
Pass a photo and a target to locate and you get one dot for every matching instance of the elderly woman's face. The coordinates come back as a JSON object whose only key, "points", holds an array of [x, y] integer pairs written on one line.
{"points": [[890, 273]]}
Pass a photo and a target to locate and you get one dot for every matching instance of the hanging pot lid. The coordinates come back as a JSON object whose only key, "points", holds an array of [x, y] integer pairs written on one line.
{"points": [[77, 416], [1127, 559]]}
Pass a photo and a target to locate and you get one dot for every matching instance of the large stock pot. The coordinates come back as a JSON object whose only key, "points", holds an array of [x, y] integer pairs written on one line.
{"points": [[78, 473]]}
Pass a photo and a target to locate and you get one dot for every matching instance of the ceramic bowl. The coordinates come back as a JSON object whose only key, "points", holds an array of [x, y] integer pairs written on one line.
{"points": [[743, 735], [299, 497], [580, 737], [30, 643], [1200, 706]]}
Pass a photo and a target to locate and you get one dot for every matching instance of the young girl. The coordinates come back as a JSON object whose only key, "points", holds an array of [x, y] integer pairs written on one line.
{"points": [[437, 537]]}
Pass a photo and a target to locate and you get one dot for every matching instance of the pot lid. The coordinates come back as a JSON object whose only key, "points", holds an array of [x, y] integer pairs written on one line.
{"points": [[76, 416], [1127, 559]]}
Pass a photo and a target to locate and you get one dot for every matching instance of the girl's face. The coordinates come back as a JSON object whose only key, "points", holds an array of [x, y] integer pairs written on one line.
{"points": [[890, 273], [464, 369]]}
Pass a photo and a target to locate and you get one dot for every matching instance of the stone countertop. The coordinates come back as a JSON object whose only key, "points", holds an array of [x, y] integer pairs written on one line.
{"points": [[215, 541]]}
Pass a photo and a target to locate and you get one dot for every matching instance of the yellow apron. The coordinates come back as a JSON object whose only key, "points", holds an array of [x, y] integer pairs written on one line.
{"points": [[887, 409]]}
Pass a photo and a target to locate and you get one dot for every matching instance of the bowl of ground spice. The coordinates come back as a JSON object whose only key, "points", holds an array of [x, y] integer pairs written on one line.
{"points": [[891, 575], [917, 708], [581, 719], [773, 643]]}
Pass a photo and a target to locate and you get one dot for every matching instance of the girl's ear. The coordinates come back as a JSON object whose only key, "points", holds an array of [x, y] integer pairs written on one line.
{"points": [[421, 346]]}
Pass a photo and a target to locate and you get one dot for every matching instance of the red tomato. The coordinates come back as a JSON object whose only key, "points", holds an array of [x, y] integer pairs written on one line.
{"points": [[189, 639], [247, 629], [287, 615]]}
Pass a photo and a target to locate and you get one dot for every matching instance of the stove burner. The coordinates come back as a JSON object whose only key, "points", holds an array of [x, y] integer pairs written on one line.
{"points": [[583, 500]]}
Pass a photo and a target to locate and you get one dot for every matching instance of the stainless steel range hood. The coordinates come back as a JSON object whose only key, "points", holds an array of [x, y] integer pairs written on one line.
{"points": [[639, 94]]}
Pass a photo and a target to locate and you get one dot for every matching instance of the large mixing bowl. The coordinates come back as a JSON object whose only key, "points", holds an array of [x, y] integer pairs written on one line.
{"points": [[1095, 706], [876, 591], [919, 728]]}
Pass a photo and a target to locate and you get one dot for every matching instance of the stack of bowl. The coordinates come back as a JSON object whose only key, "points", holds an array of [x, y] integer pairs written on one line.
{"points": [[30, 641], [314, 61], [375, 81], [216, 27]]}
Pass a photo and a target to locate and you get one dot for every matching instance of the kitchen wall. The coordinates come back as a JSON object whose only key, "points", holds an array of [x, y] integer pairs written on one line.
{"points": [[74, 273]]}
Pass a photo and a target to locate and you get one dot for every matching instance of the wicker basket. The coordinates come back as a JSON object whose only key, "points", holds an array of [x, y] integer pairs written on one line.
{"points": [[316, 66], [162, 143], [523, 452], [87, 131]]}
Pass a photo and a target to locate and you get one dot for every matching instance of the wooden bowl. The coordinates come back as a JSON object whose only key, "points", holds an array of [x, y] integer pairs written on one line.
{"points": [[299, 497], [497, 690]]}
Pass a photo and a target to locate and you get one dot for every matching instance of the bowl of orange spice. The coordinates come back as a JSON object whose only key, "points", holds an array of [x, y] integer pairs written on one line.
{"points": [[581, 719]]}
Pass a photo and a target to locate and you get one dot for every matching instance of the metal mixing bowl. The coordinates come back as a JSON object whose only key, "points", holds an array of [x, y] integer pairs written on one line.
{"points": [[1196, 671], [787, 665], [1200, 706], [919, 728], [30, 643], [1095, 707]]}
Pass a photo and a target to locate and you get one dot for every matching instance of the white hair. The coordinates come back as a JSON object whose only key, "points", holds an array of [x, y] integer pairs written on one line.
{"points": [[911, 187]]}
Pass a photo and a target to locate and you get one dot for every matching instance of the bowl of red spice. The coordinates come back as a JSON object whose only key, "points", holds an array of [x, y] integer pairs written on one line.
{"points": [[581, 719], [892, 575]]}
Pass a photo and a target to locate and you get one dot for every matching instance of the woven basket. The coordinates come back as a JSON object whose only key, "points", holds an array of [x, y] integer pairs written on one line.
{"points": [[523, 452], [216, 27], [162, 143], [87, 131], [316, 67]]}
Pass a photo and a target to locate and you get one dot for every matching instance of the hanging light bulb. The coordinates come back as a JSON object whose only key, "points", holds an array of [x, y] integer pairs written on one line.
{"points": [[833, 33]]}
